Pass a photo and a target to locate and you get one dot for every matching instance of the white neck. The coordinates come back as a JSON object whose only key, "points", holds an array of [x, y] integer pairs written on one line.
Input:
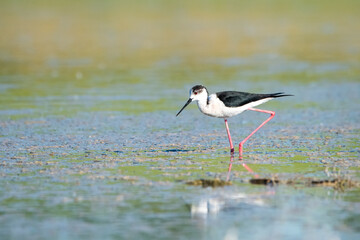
{"points": [[203, 104]]}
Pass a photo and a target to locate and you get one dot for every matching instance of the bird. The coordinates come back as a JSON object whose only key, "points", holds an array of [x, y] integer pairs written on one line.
{"points": [[227, 104]]}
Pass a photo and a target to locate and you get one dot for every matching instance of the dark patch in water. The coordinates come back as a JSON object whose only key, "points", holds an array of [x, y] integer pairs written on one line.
{"points": [[176, 150], [264, 181], [337, 183], [209, 183]]}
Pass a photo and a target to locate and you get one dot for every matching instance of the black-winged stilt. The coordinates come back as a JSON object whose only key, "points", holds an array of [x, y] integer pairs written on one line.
{"points": [[228, 104]]}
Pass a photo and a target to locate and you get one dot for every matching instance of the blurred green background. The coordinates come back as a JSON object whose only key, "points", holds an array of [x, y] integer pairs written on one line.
{"points": [[134, 48], [122, 34]]}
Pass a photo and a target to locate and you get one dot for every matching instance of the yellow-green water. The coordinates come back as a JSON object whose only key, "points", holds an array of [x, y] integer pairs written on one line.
{"points": [[90, 146]]}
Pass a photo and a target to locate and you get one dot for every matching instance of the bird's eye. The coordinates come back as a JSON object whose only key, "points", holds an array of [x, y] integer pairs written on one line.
{"points": [[195, 93]]}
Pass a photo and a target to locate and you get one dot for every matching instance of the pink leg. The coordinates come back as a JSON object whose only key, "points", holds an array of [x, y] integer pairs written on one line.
{"points": [[272, 114], [228, 133]]}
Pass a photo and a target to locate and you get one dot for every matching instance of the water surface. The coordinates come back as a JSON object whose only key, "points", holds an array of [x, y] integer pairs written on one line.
{"points": [[90, 146]]}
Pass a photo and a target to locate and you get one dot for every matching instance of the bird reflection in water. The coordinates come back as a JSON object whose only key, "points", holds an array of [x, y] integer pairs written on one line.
{"points": [[225, 198], [243, 164]]}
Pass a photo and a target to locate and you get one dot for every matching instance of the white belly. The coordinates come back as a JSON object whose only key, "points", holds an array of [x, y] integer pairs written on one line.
{"points": [[216, 108]]}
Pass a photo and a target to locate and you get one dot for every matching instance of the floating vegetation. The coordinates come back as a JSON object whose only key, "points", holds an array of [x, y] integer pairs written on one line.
{"points": [[209, 183], [264, 181], [340, 183]]}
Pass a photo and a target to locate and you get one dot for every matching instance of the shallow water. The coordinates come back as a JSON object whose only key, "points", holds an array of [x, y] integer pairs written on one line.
{"points": [[90, 146]]}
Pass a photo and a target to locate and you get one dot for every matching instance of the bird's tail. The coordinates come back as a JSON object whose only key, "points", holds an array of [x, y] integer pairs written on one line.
{"points": [[279, 94]]}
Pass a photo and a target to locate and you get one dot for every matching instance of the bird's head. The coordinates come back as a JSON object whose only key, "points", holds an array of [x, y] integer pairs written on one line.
{"points": [[197, 93]]}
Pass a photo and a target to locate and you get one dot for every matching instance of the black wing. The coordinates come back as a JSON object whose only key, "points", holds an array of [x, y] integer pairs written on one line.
{"points": [[237, 99]]}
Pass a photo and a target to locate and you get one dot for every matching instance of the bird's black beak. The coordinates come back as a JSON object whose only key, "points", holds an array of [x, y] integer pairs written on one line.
{"points": [[187, 103]]}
